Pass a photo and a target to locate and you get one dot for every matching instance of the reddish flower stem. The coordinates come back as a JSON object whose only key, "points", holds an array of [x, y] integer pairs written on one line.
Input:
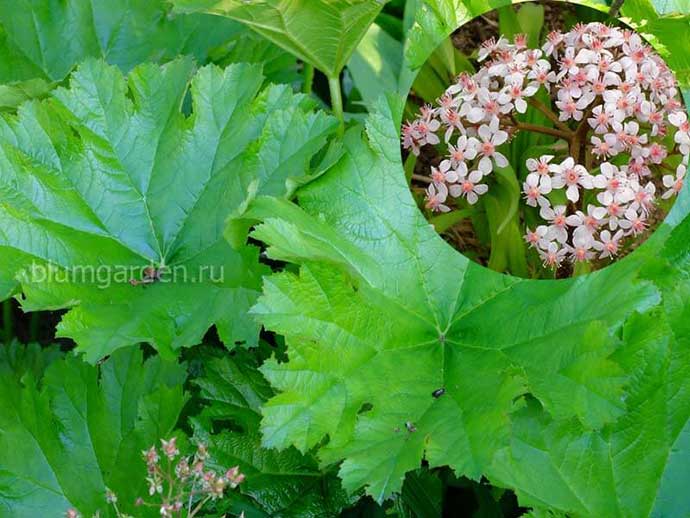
{"points": [[543, 129], [536, 103]]}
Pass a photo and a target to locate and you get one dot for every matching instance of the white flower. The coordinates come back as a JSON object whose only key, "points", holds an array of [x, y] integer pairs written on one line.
{"points": [[553, 256], [465, 149], [604, 148], [453, 121], [573, 176], [682, 136], [444, 173], [569, 88], [490, 46], [465, 88], [618, 103], [643, 197], [635, 126], [558, 221], [649, 113], [600, 84], [601, 119], [553, 41], [421, 131], [516, 94], [613, 180], [615, 207], [537, 238], [436, 196], [486, 107], [627, 133], [491, 137], [656, 153], [542, 168], [426, 131], [674, 183], [469, 187], [608, 245], [535, 188], [633, 223], [589, 222], [541, 74], [581, 249], [572, 109], [638, 167], [568, 63], [635, 52]]}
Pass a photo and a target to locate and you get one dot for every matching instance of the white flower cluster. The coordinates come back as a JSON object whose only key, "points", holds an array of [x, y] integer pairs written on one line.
{"points": [[614, 101]]}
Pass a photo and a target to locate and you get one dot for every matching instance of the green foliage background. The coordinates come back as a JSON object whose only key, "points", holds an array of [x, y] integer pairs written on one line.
{"points": [[573, 394]]}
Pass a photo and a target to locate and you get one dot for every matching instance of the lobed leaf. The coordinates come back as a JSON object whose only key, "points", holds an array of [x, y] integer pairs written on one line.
{"points": [[383, 314], [279, 484], [34, 35], [108, 178], [63, 440], [323, 33], [637, 465]]}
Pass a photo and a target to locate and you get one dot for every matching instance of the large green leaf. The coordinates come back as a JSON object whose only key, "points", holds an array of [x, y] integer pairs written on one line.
{"points": [[109, 176], [639, 466], [574, 393], [46, 38], [321, 32], [375, 64], [279, 484], [14, 94], [17, 359], [383, 313], [82, 429], [41, 41], [247, 46]]}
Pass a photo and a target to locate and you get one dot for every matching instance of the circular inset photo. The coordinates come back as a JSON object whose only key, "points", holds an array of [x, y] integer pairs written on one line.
{"points": [[545, 140]]}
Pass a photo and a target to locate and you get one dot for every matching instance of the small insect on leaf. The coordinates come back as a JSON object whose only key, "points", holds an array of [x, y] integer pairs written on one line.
{"points": [[438, 392], [410, 427], [150, 275]]}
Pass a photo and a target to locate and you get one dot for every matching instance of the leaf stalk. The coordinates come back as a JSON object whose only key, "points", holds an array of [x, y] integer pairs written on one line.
{"points": [[337, 102], [308, 71]]}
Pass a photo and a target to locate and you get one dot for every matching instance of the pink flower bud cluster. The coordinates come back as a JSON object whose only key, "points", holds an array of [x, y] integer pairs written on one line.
{"points": [[190, 472], [183, 484], [613, 100]]}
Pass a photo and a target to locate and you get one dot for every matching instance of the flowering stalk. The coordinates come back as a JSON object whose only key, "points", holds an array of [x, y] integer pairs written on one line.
{"points": [[183, 487], [614, 104]]}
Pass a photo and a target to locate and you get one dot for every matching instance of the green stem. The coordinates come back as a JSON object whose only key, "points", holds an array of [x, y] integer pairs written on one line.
{"points": [[410, 162], [308, 78], [198, 507], [8, 324], [337, 102], [445, 221], [581, 268], [615, 8]]}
